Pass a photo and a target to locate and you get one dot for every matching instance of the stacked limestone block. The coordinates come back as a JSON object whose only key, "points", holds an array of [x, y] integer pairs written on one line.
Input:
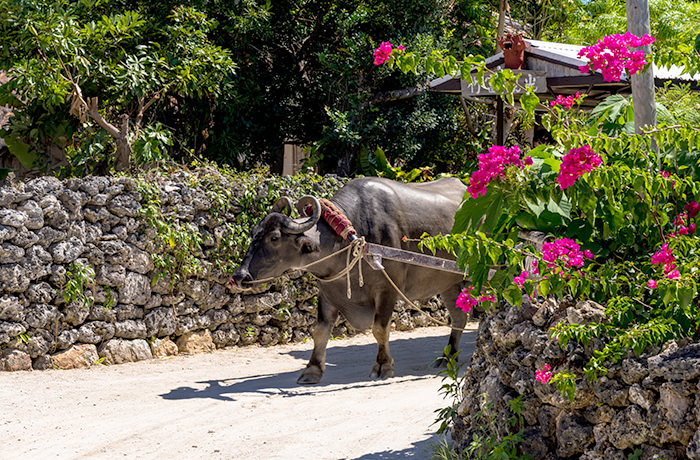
{"points": [[648, 403], [48, 226]]}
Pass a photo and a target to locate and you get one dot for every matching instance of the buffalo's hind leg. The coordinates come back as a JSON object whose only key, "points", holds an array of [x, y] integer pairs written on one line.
{"points": [[384, 367], [459, 320], [327, 315]]}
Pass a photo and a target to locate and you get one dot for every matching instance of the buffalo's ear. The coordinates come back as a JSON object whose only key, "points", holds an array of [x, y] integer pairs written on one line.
{"points": [[306, 245]]}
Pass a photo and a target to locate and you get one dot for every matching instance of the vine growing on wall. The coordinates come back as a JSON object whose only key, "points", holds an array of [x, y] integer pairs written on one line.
{"points": [[80, 282], [236, 202]]}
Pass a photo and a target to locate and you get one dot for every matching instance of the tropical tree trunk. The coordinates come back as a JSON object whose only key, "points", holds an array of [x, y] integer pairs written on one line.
{"points": [[82, 109]]}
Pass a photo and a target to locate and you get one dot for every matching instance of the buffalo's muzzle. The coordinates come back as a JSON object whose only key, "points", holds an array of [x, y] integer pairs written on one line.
{"points": [[240, 277]]}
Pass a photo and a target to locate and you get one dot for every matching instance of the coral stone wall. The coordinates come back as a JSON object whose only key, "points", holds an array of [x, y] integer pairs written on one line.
{"points": [[649, 403], [78, 282]]}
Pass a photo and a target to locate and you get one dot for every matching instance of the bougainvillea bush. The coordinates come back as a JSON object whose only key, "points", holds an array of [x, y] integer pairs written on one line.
{"points": [[621, 219]]}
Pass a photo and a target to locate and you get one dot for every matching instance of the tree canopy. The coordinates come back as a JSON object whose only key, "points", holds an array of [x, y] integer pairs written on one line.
{"points": [[99, 84]]}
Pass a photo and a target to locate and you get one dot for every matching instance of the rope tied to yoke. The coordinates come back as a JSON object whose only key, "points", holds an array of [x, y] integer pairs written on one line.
{"points": [[354, 254]]}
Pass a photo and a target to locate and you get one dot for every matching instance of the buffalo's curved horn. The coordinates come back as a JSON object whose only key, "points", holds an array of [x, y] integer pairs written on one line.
{"points": [[300, 227], [283, 205]]}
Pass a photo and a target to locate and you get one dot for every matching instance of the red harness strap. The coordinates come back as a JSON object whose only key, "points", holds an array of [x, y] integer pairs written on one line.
{"points": [[336, 219]]}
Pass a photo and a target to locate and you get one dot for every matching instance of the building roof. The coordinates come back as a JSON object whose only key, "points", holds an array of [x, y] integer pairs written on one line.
{"points": [[560, 64]]}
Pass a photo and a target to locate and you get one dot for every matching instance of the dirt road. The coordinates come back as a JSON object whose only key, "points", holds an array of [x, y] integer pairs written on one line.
{"points": [[239, 403]]}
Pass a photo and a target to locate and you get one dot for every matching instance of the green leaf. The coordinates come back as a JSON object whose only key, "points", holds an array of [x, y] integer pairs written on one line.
{"points": [[365, 165], [22, 151], [474, 210], [513, 295], [686, 294], [670, 293], [494, 211], [562, 208], [536, 208], [553, 164], [529, 101], [611, 107]]}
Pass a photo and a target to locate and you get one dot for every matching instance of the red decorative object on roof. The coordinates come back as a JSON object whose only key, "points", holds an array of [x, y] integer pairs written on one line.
{"points": [[513, 46]]}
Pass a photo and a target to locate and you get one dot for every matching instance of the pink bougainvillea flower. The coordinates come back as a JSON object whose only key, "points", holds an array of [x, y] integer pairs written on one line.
{"points": [[680, 219], [589, 255], [566, 102], [527, 161], [612, 54], [520, 280], [487, 298], [543, 375], [664, 256], [382, 54], [492, 165], [692, 208], [652, 284], [465, 301], [575, 164], [565, 250], [691, 228]]}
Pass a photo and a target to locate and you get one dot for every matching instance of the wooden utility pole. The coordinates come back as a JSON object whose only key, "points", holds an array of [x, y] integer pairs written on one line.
{"points": [[502, 10], [642, 83]]}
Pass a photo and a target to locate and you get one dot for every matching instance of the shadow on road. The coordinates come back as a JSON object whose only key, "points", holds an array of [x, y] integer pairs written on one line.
{"points": [[347, 366], [422, 450]]}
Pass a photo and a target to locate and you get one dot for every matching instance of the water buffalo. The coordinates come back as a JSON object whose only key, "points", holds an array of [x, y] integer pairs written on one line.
{"points": [[383, 211]]}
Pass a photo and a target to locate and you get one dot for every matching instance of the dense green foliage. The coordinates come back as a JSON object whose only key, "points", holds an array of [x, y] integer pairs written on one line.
{"points": [[634, 211], [228, 80], [238, 201], [308, 77], [97, 78]]}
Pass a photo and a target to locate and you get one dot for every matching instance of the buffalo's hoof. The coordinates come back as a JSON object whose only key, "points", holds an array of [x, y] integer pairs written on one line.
{"points": [[310, 376], [382, 371]]}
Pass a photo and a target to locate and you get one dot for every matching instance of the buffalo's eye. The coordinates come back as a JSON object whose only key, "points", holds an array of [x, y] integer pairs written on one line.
{"points": [[274, 238]]}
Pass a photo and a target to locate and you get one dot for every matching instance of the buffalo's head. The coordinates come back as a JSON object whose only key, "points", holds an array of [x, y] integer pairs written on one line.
{"points": [[280, 243]]}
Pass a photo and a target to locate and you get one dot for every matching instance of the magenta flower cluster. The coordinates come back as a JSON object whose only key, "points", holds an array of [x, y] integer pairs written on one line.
{"points": [[681, 220], [612, 55], [383, 53], [543, 375], [665, 258], [465, 301], [520, 280], [565, 250], [492, 165], [566, 102], [575, 164]]}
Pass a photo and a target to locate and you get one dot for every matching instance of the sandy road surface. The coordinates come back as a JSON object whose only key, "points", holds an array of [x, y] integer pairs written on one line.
{"points": [[239, 403]]}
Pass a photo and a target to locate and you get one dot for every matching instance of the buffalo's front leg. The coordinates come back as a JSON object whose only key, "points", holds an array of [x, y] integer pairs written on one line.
{"points": [[384, 368], [459, 320], [327, 315]]}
